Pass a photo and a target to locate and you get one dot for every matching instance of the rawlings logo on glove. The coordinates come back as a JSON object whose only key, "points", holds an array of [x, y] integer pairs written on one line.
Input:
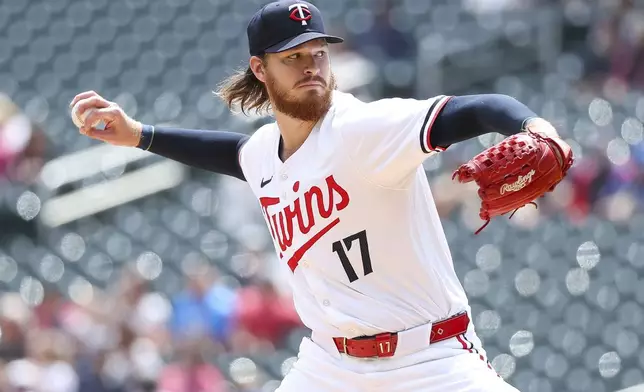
{"points": [[520, 184], [515, 172]]}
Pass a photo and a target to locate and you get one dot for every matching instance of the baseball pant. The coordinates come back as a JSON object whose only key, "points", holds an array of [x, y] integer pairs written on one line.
{"points": [[457, 364]]}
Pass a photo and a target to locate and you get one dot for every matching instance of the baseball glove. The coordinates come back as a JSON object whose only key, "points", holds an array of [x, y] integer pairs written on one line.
{"points": [[515, 172]]}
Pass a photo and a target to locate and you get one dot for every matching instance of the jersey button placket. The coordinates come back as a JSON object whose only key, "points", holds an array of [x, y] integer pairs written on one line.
{"points": [[283, 177], [319, 288]]}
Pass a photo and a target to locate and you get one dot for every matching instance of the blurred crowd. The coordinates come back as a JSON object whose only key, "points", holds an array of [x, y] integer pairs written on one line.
{"points": [[129, 338]]}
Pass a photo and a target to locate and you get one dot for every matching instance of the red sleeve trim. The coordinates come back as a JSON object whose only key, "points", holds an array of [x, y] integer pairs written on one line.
{"points": [[432, 114]]}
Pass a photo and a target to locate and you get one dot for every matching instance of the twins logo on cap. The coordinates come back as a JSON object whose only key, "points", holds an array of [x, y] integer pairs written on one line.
{"points": [[269, 32], [300, 13]]}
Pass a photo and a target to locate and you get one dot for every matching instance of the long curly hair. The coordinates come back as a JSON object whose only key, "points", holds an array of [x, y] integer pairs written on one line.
{"points": [[244, 90]]}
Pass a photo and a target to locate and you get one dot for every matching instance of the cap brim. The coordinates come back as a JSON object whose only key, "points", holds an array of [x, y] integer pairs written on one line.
{"points": [[300, 39]]}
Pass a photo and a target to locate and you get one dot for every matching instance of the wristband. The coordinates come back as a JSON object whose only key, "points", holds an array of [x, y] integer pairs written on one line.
{"points": [[147, 135], [527, 121]]}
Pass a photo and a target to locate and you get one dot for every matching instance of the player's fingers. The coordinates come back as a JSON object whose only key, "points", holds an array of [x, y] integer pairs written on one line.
{"points": [[104, 135], [83, 95], [105, 115], [93, 102]]}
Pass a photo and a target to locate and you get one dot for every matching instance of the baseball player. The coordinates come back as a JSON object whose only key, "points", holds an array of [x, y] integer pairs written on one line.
{"points": [[341, 185]]}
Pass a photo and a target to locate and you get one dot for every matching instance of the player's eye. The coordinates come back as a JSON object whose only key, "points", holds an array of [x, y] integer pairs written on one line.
{"points": [[321, 53], [293, 56]]}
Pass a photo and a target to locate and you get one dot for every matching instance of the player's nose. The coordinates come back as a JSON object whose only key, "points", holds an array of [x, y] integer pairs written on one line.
{"points": [[312, 71], [311, 67]]}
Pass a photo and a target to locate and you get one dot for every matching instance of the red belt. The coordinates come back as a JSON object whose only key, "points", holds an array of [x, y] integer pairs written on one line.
{"points": [[384, 344]]}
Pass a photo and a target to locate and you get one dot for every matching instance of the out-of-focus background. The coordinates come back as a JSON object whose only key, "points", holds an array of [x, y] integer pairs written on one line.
{"points": [[121, 271]]}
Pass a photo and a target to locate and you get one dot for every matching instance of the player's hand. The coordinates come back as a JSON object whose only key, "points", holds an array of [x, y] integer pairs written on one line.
{"points": [[542, 127], [119, 129]]}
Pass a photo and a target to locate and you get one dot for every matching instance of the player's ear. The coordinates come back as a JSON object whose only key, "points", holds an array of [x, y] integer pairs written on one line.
{"points": [[258, 67]]}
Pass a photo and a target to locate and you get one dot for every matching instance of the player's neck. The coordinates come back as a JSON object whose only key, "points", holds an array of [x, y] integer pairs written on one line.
{"points": [[294, 133]]}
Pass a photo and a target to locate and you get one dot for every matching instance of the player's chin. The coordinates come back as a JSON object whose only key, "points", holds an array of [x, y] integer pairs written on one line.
{"points": [[307, 96]]}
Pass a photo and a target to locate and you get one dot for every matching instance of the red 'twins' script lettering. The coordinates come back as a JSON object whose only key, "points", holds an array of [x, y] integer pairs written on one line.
{"points": [[303, 217]]}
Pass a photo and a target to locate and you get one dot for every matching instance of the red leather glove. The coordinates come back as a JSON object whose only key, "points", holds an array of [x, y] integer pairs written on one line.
{"points": [[516, 171]]}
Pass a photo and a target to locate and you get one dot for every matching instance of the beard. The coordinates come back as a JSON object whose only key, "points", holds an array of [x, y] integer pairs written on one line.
{"points": [[311, 108]]}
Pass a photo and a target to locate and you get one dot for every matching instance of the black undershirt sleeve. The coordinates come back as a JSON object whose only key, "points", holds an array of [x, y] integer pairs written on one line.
{"points": [[215, 151], [469, 116]]}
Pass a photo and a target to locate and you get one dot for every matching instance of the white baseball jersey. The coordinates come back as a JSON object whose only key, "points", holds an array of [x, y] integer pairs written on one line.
{"points": [[352, 217]]}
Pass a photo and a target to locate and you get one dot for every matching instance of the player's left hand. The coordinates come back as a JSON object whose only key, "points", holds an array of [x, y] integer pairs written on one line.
{"points": [[518, 170]]}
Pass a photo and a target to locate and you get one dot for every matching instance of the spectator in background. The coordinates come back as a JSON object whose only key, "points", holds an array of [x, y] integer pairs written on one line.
{"points": [[13, 339], [638, 180], [22, 150], [614, 49], [14, 323], [588, 178], [92, 377], [205, 306], [22, 144], [626, 56], [191, 372], [47, 366], [265, 314], [47, 314], [109, 358]]}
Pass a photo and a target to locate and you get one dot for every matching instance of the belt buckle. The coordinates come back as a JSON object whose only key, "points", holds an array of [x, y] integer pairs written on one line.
{"points": [[344, 345]]}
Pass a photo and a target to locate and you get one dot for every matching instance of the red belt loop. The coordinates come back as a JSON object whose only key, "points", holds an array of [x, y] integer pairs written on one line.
{"points": [[449, 328], [384, 345]]}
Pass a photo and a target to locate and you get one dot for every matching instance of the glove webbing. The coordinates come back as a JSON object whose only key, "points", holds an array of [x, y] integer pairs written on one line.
{"points": [[487, 221]]}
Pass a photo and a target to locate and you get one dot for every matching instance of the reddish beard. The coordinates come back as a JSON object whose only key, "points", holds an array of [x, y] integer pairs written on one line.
{"points": [[310, 108]]}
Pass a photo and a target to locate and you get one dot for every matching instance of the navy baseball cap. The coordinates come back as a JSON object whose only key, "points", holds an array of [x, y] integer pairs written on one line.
{"points": [[283, 25]]}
